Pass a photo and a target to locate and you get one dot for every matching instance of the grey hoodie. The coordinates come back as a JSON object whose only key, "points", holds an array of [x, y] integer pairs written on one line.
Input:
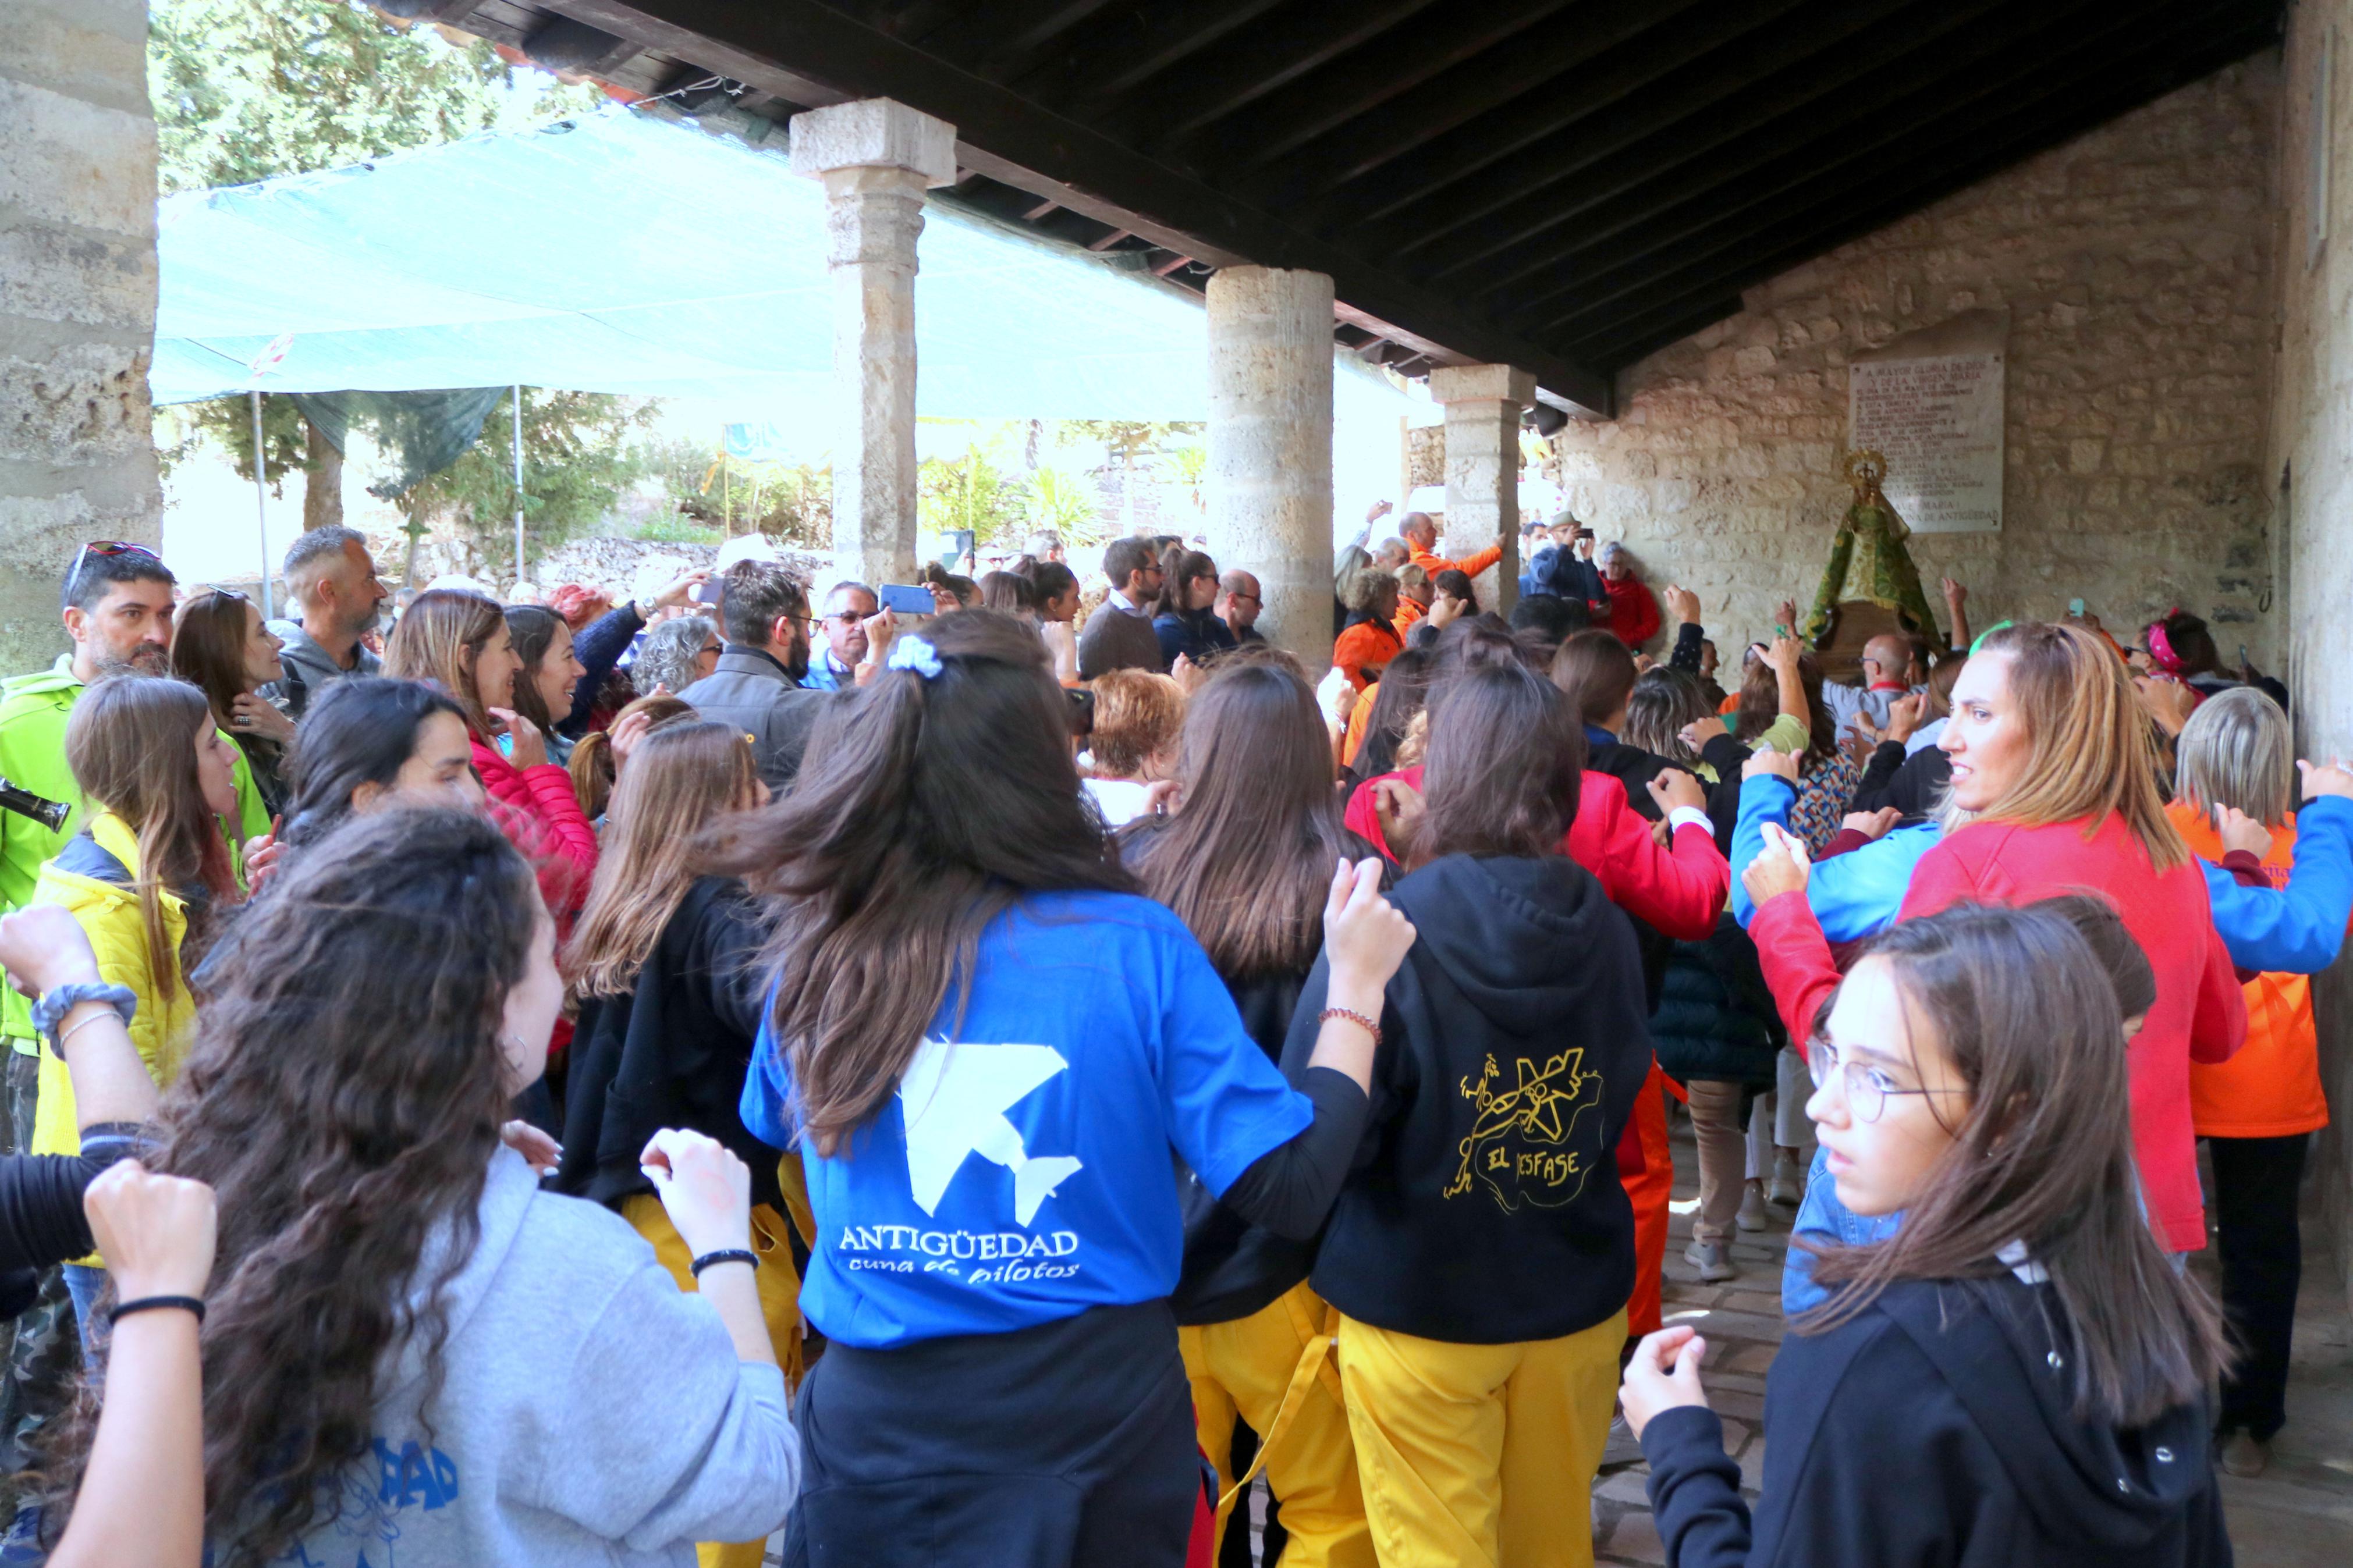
{"points": [[308, 669], [590, 1413]]}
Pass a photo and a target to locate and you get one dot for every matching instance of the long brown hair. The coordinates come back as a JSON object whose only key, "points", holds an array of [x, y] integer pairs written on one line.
{"points": [[130, 743], [1596, 671], [532, 628], [208, 639], [592, 766], [929, 805], [2093, 752], [2030, 1021], [439, 639], [1246, 863], [343, 1099], [1506, 759], [1760, 704], [680, 779]]}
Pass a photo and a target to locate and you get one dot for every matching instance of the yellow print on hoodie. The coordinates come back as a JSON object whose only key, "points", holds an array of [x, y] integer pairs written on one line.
{"points": [[1520, 1145]]}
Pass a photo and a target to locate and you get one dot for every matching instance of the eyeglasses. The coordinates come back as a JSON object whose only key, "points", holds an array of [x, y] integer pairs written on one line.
{"points": [[1867, 1087]]}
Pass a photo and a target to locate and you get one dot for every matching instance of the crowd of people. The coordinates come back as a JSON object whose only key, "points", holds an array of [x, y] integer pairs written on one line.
{"points": [[604, 1080]]}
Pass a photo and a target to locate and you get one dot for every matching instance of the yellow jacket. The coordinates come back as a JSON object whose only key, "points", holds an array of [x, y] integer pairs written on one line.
{"points": [[107, 906]]}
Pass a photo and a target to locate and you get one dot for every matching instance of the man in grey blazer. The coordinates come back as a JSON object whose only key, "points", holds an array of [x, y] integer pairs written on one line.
{"points": [[756, 686]]}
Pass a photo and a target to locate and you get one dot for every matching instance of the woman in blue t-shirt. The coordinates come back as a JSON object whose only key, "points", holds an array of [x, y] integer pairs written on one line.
{"points": [[985, 1046]]}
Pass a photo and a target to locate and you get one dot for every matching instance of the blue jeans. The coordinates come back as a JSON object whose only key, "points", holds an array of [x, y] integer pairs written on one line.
{"points": [[1821, 1216]]}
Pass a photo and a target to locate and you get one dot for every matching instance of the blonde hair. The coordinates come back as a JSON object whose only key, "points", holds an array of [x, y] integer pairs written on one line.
{"points": [[680, 779], [2092, 753], [1137, 712], [438, 639], [2236, 751]]}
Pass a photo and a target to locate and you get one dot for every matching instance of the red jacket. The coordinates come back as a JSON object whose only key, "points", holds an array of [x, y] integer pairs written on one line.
{"points": [[1681, 892], [537, 810], [1634, 612], [2200, 1015]]}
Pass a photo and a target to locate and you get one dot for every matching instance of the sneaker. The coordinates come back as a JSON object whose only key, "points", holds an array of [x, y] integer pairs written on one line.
{"points": [[1789, 1183], [1752, 1209], [1709, 1258], [2242, 1454]]}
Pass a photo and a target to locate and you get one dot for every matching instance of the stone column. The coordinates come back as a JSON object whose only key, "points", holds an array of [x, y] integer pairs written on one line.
{"points": [[876, 158], [77, 302], [1271, 447], [1482, 469]]}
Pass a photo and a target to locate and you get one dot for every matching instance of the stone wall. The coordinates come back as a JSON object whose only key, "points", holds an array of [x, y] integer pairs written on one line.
{"points": [[2310, 469], [77, 302], [2136, 265]]}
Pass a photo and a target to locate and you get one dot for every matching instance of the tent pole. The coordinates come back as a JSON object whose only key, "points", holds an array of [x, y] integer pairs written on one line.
{"points": [[517, 479], [261, 509]]}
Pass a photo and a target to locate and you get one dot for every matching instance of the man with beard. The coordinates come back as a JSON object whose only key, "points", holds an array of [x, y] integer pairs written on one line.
{"points": [[764, 614], [331, 578], [118, 604]]}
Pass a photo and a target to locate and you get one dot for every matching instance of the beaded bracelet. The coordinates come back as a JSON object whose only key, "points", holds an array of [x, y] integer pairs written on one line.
{"points": [[727, 1255], [1371, 1026]]}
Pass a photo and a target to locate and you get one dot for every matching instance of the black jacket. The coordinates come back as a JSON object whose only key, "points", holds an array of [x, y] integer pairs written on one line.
{"points": [[1715, 1020], [750, 689], [1934, 1428], [672, 1053], [1911, 784], [1233, 1267], [1486, 1207]]}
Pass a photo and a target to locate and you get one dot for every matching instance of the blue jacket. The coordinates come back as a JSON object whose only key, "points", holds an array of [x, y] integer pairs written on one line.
{"points": [[1855, 895], [2298, 928], [2295, 930], [1553, 571]]}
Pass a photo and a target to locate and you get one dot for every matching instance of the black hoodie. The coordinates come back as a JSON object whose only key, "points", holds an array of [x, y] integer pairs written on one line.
{"points": [[1936, 1428], [1485, 1207]]}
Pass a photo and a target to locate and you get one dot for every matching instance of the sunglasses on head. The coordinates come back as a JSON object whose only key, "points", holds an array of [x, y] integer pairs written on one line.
{"points": [[105, 547]]}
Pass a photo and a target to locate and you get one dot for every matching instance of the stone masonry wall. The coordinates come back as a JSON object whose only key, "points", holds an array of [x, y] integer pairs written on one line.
{"points": [[77, 302], [2310, 469], [2135, 264]]}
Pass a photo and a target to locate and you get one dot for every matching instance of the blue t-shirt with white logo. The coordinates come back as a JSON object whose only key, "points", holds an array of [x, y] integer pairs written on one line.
{"points": [[1021, 1172]]}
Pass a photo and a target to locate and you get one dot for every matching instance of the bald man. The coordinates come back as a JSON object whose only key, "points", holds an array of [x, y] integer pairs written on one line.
{"points": [[1421, 540], [1887, 674], [1238, 606]]}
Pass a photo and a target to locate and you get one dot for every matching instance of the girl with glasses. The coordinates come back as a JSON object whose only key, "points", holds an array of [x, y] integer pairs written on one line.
{"points": [[2018, 1374]]}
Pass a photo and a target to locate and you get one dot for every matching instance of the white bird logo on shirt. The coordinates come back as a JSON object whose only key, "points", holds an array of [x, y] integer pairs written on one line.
{"points": [[954, 1097]]}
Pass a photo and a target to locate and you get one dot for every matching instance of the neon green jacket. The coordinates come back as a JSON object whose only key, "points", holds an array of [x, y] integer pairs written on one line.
{"points": [[33, 713]]}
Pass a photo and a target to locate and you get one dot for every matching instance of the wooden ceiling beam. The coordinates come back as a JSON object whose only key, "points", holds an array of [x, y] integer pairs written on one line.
{"points": [[1857, 118], [835, 56], [1002, 38], [1241, 71], [1840, 218], [1481, 128], [1402, 63], [1709, 222], [1609, 106], [1124, 47]]}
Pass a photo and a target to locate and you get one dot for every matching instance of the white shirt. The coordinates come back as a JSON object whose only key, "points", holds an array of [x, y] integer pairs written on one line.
{"points": [[1121, 801]]}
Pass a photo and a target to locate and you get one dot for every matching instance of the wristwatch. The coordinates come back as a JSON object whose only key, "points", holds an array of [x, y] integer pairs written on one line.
{"points": [[51, 1009]]}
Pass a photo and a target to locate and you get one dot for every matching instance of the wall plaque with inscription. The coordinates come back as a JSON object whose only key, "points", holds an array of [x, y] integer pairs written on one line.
{"points": [[1932, 402]]}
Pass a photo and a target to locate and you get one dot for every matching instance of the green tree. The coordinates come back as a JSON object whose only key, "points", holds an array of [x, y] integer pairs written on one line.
{"points": [[971, 492], [578, 457], [249, 90]]}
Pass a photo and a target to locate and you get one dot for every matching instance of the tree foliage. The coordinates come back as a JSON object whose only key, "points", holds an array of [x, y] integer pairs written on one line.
{"points": [[249, 90], [578, 457], [246, 89]]}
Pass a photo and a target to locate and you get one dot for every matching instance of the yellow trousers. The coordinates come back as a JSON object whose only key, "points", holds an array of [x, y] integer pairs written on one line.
{"points": [[1243, 1367], [1480, 1456], [780, 1304]]}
